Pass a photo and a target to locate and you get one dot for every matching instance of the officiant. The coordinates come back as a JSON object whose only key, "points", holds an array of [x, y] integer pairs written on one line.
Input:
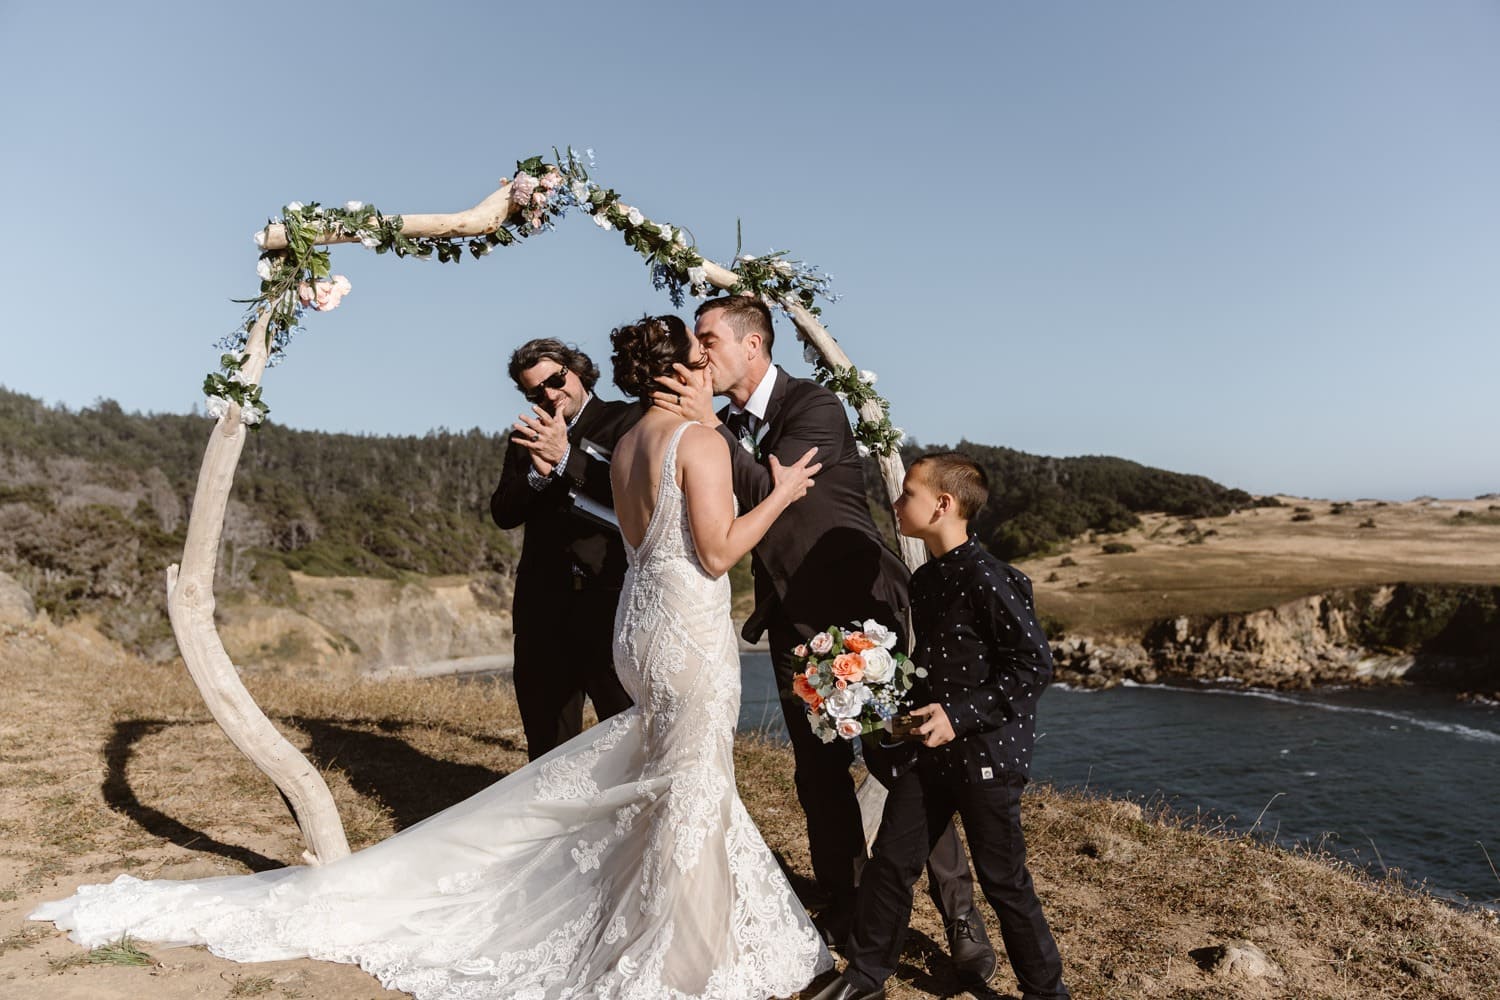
{"points": [[555, 481]]}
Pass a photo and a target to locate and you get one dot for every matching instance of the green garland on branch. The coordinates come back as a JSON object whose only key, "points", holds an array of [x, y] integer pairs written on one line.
{"points": [[300, 276]]}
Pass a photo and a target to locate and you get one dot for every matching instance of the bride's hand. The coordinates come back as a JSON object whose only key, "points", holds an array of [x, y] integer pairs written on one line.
{"points": [[795, 479]]}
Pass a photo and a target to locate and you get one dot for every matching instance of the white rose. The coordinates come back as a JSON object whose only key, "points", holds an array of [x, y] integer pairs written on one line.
{"points": [[681, 238], [899, 433], [820, 643], [849, 729], [698, 275], [216, 406], [666, 233], [880, 665], [263, 268], [294, 206], [354, 206], [635, 217], [878, 633], [846, 704], [867, 377], [260, 238], [580, 190], [862, 448], [369, 241], [250, 414], [602, 221]]}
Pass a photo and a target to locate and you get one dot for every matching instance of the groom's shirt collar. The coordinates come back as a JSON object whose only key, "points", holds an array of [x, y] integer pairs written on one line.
{"points": [[760, 399]]}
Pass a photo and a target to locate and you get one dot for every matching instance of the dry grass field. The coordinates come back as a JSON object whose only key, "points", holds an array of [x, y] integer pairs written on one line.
{"points": [[1262, 557], [111, 765]]}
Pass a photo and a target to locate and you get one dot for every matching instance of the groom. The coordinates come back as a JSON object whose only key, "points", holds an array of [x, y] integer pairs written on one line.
{"points": [[821, 563]]}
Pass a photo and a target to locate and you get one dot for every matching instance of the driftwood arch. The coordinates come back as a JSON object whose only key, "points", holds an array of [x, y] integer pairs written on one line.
{"points": [[190, 593]]}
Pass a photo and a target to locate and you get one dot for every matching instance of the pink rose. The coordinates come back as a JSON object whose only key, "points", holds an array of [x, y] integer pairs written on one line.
{"points": [[522, 188], [539, 199], [821, 643], [305, 294], [801, 651], [551, 179], [848, 728]]}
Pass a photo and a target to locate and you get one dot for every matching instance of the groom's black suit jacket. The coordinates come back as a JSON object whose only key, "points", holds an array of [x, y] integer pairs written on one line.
{"points": [[822, 562]]}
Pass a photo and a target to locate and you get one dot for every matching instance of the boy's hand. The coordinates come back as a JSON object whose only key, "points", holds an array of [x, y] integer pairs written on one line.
{"points": [[935, 729]]}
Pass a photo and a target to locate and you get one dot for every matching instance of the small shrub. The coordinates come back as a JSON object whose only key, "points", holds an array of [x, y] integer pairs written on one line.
{"points": [[1368, 522], [1302, 516], [1082, 584], [1117, 548], [1052, 577], [1301, 510], [1068, 561]]}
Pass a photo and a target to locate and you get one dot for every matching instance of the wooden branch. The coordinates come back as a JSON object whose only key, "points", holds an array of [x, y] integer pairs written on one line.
{"points": [[190, 605], [485, 217]]}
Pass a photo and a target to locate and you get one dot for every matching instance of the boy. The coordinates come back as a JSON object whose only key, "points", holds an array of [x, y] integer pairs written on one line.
{"points": [[987, 662]]}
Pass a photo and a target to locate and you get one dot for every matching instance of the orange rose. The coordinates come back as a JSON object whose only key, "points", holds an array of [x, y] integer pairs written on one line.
{"points": [[849, 667], [804, 690], [857, 642]]}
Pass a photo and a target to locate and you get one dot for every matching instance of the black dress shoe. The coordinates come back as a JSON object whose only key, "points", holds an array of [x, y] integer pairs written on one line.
{"points": [[969, 946], [842, 989]]}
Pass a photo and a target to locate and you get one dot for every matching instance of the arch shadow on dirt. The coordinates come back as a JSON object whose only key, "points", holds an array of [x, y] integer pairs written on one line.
{"points": [[380, 765]]}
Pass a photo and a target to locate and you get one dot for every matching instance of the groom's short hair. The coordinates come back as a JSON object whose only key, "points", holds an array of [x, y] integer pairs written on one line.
{"points": [[551, 349], [960, 477], [746, 314]]}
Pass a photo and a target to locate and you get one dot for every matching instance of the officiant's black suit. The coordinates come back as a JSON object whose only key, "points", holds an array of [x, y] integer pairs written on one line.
{"points": [[568, 582], [823, 563]]}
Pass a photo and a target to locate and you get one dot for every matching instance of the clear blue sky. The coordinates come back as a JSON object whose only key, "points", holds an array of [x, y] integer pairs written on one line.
{"points": [[1256, 241]]}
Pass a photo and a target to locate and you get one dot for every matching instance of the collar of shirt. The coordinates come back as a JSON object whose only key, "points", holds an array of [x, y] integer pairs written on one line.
{"points": [[959, 552], [587, 398], [760, 398]]}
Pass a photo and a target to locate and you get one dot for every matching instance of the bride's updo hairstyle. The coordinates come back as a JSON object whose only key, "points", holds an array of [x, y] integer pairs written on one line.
{"points": [[648, 348]]}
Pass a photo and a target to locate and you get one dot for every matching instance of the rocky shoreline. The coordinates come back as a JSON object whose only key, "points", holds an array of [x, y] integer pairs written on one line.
{"points": [[1434, 635]]}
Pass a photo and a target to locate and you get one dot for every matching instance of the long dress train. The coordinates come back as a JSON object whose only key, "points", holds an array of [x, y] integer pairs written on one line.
{"points": [[620, 865]]}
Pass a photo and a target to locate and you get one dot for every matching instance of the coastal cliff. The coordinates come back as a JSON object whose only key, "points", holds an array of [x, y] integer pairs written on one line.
{"points": [[1433, 634]]}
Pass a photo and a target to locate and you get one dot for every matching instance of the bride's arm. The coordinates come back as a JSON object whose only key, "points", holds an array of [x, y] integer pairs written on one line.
{"points": [[708, 484]]}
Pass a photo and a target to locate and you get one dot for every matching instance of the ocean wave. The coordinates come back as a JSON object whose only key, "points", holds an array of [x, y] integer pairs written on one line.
{"points": [[1404, 718]]}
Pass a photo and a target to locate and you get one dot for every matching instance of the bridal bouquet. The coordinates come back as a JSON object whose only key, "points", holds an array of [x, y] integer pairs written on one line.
{"points": [[851, 680]]}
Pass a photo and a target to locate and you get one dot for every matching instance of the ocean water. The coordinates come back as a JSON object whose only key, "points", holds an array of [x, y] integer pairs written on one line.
{"points": [[1390, 778]]}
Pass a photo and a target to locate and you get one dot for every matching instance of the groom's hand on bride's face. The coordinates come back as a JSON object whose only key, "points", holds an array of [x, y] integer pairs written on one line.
{"points": [[689, 394]]}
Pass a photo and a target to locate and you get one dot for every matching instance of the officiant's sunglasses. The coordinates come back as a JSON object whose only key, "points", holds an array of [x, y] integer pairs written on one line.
{"points": [[554, 381]]}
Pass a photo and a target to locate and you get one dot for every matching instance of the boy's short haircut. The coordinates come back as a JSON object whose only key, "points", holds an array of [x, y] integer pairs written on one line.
{"points": [[960, 477]]}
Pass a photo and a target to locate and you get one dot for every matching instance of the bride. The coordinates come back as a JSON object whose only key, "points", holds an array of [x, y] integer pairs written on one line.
{"points": [[620, 865]]}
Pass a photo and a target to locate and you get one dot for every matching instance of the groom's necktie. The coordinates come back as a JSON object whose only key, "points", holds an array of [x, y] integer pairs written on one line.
{"points": [[742, 425]]}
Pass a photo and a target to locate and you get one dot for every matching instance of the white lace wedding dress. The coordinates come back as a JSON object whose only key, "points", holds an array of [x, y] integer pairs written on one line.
{"points": [[620, 865]]}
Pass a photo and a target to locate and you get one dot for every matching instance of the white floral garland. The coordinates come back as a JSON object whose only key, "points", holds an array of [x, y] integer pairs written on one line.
{"points": [[299, 277]]}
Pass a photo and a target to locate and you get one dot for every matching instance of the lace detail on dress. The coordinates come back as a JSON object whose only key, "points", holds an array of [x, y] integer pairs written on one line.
{"points": [[620, 866]]}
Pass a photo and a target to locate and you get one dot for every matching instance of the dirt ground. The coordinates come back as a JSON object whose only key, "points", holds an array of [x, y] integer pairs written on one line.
{"points": [[109, 764]]}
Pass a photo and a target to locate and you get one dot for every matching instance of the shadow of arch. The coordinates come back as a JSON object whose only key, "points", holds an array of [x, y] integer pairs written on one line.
{"points": [[120, 797], [388, 769]]}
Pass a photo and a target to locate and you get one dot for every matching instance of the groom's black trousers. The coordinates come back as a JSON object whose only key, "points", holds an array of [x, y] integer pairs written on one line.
{"points": [[825, 788]]}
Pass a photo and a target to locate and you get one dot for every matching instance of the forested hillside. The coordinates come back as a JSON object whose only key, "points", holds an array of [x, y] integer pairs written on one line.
{"points": [[93, 506]]}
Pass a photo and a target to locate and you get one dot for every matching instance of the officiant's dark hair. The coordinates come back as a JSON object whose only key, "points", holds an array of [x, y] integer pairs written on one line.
{"points": [[959, 476], [746, 314], [648, 348], [551, 349]]}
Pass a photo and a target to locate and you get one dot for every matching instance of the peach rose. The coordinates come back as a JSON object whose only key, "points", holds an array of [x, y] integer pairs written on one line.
{"points": [[849, 667], [857, 642], [800, 652], [804, 690], [848, 728]]}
